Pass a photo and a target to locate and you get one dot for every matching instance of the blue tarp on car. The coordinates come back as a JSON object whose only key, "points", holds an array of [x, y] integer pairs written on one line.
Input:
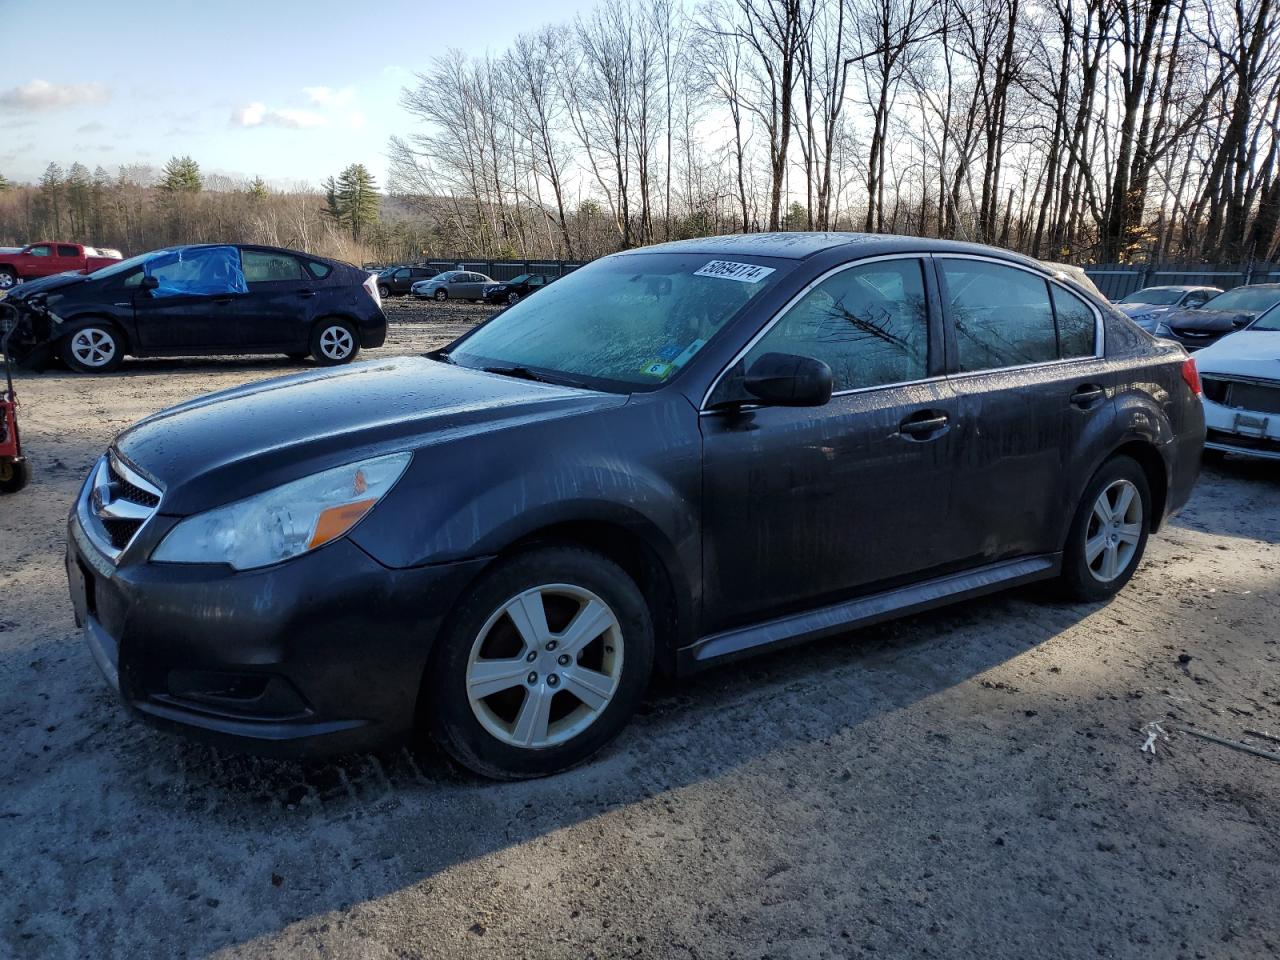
{"points": [[199, 271]]}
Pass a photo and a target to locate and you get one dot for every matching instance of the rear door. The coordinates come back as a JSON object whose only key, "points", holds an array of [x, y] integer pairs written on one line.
{"points": [[195, 305], [803, 506], [1025, 361], [274, 315], [68, 256]]}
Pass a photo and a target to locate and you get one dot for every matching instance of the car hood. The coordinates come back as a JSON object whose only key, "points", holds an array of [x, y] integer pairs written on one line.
{"points": [[57, 281], [1209, 321], [237, 442], [1249, 353], [1134, 309]]}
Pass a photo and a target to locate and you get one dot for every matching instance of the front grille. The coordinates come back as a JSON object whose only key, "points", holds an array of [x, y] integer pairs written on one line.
{"points": [[1242, 394], [127, 490], [117, 503]]}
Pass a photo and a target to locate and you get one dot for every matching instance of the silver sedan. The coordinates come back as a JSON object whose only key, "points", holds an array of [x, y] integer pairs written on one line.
{"points": [[452, 285]]}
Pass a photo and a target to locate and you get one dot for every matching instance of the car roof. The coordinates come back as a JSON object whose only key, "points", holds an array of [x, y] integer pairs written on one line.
{"points": [[798, 246], [1181, 287]]}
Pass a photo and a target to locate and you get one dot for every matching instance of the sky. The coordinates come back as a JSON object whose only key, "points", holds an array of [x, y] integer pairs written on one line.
{"points": [[289, 91]]}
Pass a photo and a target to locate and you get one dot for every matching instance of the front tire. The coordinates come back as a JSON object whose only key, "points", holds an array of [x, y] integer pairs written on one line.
{"points": [[1108, 533], [384, 291], [8, 279], [543, 663], [334, 342], [441, 295], [98, 348]]}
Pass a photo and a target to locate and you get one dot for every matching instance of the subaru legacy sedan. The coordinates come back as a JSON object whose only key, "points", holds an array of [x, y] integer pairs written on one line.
{"points": [[672, 458]]}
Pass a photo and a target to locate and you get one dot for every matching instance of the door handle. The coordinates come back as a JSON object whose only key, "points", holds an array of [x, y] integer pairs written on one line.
{"points": [[1086, 395], [925, 425]]}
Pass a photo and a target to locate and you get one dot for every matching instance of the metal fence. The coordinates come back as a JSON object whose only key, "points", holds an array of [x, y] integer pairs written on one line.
{"points": [[1117, 280]]}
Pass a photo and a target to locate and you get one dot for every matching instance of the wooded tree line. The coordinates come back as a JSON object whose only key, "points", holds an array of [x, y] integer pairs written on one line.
{"points": [[1086, 130], [1070, 129]]}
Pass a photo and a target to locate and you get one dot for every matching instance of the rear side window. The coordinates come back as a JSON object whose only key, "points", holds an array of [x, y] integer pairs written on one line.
{"points": [[317, 269], [869, 324], [68, 251], [1002, 316], [1077, 329], [262, 266]]}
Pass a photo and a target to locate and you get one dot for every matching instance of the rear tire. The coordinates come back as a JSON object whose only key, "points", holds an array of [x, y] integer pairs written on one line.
{"points": [[14, 476], [1108, 533], [334, 342], [95, 348], [533, 721], [384, 291]]}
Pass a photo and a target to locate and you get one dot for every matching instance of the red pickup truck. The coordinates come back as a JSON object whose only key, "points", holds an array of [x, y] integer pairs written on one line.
{"points": [[46, 258]]}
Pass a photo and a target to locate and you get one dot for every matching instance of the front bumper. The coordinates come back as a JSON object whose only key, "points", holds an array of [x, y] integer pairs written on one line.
{"points": [[322, 654], [1233, 430]]}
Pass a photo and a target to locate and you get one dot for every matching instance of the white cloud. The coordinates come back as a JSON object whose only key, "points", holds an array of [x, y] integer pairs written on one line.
{"points": [[356, 119], [43, 95], [328, 97], [258, 115]]}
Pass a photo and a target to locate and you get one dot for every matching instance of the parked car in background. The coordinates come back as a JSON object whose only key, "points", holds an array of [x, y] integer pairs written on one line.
{"points": [[46, 258], [1227, 312], [669, 459], [1147, 306], [453, 285], [1241, 378], [203, 299], [517, 288], [395, 281]]}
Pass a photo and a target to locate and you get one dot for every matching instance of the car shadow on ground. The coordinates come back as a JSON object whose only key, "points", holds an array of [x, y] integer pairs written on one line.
{"points": [[702, 730]]}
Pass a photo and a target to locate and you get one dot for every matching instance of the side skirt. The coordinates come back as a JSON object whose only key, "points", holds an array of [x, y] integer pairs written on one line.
{"points": [[864, 611]]}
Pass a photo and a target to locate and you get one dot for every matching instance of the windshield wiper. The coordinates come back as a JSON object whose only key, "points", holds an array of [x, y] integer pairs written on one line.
{"points": [[521, 373]]}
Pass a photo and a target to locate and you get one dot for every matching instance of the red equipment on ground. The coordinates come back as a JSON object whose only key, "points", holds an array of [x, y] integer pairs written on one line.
{"points": [[15, 469]]}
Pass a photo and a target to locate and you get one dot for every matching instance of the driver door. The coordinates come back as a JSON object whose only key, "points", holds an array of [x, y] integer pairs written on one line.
{"points": [[195, 305], [806, 506]]}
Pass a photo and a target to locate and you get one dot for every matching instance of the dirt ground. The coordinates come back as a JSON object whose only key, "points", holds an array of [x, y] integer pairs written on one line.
{"points": [[966, 783]]}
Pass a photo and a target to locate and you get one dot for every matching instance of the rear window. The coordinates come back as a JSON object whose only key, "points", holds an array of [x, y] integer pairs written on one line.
{"points": [[65, 251], [317, 269]]}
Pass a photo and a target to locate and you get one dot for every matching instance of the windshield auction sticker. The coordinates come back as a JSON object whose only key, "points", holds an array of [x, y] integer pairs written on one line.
{"points": [[728, 270]]}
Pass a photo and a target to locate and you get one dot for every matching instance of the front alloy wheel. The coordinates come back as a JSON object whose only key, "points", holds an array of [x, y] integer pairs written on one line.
{"points": [[513, 297], [92, 350], [543, 662], [442, 295], [545, 666]]}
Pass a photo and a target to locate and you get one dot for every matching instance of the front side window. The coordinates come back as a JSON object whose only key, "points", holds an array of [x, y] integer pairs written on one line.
{"points": [[630, 321], [262, 266], [869, 324], [1002, 316], [41, 251], [203, 271], [1269, 322]]}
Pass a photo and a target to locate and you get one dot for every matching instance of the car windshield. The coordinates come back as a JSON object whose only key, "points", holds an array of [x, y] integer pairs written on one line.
{"points": [[520, 279], [124, 266], [624, 322], [1269, 322], [1155, 296], [1245, 298]]}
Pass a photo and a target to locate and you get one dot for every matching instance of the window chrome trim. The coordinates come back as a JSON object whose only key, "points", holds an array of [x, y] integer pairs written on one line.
{"points": [[790, 304], [1099, 326]]}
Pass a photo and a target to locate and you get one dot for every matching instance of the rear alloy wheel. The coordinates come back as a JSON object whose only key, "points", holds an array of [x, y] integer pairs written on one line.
{"points": [[1109, 532], [442, 295], [333, 342], [92, 349], [513, 297], [545, 661]]}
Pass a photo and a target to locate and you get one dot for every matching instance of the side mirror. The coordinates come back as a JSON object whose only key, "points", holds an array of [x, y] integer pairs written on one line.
{"points": [[148, 282], [786, 380]]}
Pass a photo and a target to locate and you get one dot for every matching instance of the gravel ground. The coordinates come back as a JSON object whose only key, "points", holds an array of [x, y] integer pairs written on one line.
{"points": [[963, 783]]}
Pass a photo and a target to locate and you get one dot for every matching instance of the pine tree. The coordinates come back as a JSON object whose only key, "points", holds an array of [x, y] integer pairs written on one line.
{"points": [[258, 190], [181, 175], [52, 188], [356, 195], [79, 199], [5, 183], [331, 207]]}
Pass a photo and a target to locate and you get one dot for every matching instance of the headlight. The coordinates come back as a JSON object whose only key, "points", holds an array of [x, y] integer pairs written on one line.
{"points": [[1162, 330], [286, 521]]}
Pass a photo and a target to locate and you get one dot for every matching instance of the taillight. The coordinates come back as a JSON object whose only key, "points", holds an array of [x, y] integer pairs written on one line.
{"points": [[1191, 375], [371, 284]]}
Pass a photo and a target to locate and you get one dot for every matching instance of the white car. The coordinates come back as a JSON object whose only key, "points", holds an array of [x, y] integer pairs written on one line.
{"points": [[1240, 375]]}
